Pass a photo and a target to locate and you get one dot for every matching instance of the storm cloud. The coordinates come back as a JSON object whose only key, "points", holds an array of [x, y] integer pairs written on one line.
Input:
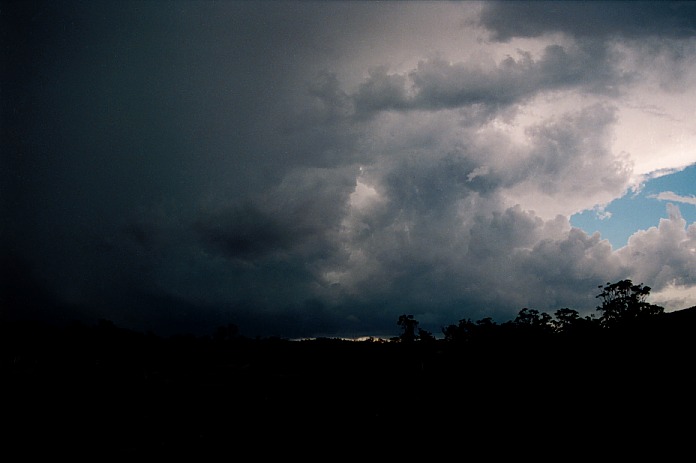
{"points": [[318, 169]]}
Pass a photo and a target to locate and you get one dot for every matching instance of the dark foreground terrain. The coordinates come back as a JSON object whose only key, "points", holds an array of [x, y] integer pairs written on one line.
{"points": [[109, 392]]}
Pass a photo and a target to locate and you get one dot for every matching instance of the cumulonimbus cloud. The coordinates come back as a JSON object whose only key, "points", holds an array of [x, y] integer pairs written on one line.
{"points": [[314, 169]]}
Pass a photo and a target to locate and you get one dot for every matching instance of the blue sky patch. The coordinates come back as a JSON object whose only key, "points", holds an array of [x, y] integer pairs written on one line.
{"points": [[639, 211]]}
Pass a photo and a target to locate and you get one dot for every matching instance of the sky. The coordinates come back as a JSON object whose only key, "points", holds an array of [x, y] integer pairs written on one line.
{"points": [[304, 169]]}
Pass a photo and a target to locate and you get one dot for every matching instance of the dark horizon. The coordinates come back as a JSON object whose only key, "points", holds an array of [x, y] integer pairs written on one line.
{"points": [[15, 313], [101, 390]]}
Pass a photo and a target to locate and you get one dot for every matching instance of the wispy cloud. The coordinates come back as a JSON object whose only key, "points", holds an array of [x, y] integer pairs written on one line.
{"points": [[671, 196]]}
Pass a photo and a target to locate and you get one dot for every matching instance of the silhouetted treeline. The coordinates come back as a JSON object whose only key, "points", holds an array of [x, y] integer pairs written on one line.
{"points": [[131, 392]]}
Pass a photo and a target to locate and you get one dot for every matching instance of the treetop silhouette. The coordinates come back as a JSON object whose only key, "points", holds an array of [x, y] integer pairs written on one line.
{"points": [[625, 303]]}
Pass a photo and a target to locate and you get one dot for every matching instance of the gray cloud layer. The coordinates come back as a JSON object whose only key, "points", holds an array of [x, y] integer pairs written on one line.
{"points": [[506, 20], [181, 165], [439, 84]]}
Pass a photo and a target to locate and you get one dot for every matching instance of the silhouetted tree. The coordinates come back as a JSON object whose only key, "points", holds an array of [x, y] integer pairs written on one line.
{"points": [[486, 329], [568, 322], [533, 319], [624, 303], [565, 319], [425, 336], [467, 331], [460, 332], [464, 331], [408, 325]]}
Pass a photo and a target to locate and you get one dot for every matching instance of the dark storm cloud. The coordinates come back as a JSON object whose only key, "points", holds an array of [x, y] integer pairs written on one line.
{"points": [[427, 186], [156, 145], [437, 83], [302, 168], [382, 91], [302, 215], [590, 19], [24, 293], [248, 233], [502, 233]]}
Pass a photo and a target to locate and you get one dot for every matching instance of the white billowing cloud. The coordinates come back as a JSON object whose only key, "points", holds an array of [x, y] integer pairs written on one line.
{"points": [[674, 297], [656, 114], [663, 255], [568, 164], [653, 48], [641, 128], [364, 197]]}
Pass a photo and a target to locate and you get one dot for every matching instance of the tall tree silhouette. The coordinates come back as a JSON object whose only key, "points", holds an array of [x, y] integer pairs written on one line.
{"points": [[625, 303], [408, 324]]}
